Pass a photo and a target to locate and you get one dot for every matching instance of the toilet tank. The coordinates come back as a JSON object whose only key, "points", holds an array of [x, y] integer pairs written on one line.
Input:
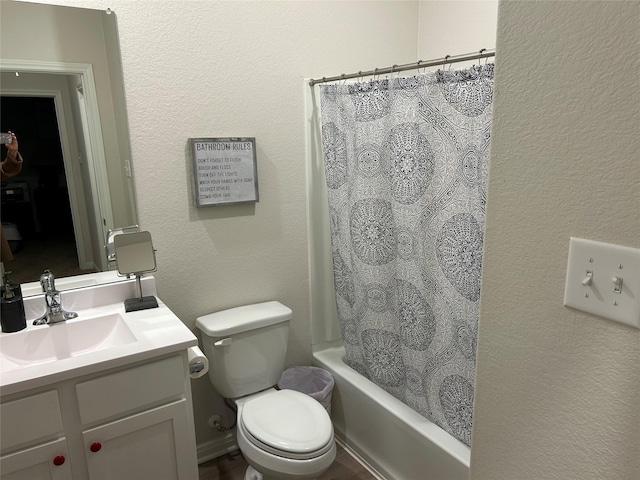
{"points": [[246, 347]]}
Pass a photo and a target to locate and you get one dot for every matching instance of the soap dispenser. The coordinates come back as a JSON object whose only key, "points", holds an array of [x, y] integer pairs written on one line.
{"points": [[13, 318]]}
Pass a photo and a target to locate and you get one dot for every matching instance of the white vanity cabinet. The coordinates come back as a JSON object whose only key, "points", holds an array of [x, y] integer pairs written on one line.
{"points": [[146, 445], [47, 461], [133, 422], [32, 426]]}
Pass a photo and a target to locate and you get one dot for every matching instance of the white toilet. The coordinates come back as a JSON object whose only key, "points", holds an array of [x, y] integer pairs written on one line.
{"points": [[283, 434]]}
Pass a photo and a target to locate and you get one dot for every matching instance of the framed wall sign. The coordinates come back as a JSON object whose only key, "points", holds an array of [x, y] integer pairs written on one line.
{"points": [[224, 170]]}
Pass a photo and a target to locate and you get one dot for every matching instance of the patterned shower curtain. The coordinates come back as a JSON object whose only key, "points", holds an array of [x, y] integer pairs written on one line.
{"points": [[406, 170]]}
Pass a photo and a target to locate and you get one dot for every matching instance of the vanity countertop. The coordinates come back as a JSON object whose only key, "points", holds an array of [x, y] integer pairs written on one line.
{"points": [[103, 336]]}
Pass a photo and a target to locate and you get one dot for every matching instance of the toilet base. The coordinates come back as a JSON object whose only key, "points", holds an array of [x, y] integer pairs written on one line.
{"points": [[253, 474]]}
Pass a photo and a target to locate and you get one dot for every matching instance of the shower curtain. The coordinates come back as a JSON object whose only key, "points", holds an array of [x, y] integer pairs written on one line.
{"points": [[406, 167]]}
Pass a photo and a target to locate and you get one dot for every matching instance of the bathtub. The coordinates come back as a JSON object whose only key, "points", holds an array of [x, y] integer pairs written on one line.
{"points": [[393, 440]]}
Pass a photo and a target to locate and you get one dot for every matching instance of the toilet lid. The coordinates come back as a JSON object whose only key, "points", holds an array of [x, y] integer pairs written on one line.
{"points": [[287, 421]]}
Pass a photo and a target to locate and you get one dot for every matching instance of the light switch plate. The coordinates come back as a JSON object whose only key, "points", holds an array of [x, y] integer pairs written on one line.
{"points": [[604, 279]]}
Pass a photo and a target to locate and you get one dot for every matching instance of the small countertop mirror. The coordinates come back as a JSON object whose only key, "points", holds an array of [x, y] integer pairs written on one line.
{"points": [[135, 254]]}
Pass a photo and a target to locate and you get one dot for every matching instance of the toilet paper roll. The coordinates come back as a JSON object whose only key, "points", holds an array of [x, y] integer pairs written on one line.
{"points": [[198, 363]]}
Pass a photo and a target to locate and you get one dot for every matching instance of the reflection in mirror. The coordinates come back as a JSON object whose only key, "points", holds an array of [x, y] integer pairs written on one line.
{"points": [[135, 255], [110, 243], [63, 96]]}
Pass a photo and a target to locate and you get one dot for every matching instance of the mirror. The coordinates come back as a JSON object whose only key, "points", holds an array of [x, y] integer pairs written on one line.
{"points": [[63, 95]]}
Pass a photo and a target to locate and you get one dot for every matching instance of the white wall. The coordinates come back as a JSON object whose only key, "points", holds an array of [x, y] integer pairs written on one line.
{"points": [[453, 27], [557, 390]]}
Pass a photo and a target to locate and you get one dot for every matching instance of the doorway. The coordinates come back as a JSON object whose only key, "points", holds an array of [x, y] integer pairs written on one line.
{"points": [[37, 202]]}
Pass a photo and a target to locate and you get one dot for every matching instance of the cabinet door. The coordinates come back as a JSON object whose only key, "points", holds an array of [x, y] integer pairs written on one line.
{"points": [[153, 445], [44, 462]]}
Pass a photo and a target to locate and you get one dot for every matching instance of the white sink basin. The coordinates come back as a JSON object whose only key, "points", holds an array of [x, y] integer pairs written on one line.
{"points": [[48, 343]]}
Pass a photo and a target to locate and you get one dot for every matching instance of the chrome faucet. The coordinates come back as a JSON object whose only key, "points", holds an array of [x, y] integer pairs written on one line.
{"points": [[55, 313]]}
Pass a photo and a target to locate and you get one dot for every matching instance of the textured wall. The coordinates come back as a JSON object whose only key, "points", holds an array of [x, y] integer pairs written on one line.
{"points": [[453, 27], [558, 391]]}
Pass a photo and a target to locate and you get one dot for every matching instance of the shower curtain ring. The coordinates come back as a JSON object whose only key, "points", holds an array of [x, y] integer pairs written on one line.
{"points": [[480, 54], [444, 63]]}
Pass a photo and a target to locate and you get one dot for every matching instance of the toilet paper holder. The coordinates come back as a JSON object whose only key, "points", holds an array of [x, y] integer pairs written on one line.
{"points": [[198, 363], [196, 367]]}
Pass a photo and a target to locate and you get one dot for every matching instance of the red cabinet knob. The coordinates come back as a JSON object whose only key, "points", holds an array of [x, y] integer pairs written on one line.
{"points": [[95, 447], [58, 460]]}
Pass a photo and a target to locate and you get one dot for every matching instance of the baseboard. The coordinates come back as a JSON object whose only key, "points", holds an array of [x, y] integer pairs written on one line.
{"points": [[216, 448], [359, 459]]}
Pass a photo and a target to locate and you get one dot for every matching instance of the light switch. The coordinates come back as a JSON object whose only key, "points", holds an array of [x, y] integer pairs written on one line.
{"points": [[604, 279]]}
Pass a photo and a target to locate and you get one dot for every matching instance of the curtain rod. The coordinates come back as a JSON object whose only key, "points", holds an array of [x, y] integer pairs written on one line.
{"points": [[484, 53]]}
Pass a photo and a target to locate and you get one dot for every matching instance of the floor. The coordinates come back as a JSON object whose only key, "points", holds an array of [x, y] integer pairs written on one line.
{"points": [[232, 467]]}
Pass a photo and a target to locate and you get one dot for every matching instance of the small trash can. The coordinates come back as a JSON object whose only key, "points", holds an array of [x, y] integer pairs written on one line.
{"points": [[314, 381]]}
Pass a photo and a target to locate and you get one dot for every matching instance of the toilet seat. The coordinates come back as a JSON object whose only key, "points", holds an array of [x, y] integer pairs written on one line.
{"points": [[287, 423]]}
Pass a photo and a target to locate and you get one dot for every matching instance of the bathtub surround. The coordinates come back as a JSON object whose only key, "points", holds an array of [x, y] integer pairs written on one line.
{"points": [[406, 165], [390, 437]]}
